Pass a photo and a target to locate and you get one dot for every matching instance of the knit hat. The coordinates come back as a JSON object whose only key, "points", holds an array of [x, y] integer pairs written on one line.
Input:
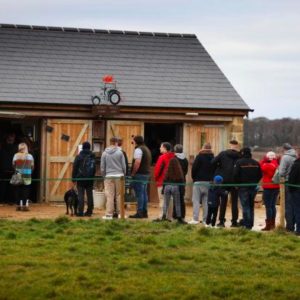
{"points": [[207, 146], [271, 155], [86, 146], [287, 146], [218, 179], [246, 152]]}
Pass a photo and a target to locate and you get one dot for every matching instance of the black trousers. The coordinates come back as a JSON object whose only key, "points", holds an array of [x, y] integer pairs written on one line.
{"points": [[212, 213], [22, 192], [234, 206], [90, 201]]}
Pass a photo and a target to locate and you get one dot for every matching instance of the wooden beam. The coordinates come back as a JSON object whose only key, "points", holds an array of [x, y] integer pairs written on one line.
{"points": [[169, 117]]}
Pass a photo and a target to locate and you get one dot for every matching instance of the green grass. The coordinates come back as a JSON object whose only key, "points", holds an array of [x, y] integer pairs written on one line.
{"points": [[92, 259]]}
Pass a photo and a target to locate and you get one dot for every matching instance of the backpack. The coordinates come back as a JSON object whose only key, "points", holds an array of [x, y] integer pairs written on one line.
{"points": [[87, 167]]}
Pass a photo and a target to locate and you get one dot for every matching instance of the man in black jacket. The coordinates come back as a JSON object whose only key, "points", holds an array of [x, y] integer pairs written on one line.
{"points": [[84, 167], [202, 174], [223, 165], [294, 188], [247, 171]]}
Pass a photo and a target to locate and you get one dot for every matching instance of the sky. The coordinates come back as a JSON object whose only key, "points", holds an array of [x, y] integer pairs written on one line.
{"points": [[256, 43]]}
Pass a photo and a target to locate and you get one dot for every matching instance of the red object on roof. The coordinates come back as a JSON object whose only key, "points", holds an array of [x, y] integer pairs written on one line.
{"points": [[108, 78]]}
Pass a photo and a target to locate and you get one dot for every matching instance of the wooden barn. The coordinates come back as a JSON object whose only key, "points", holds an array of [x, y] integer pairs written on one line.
{"points": [[171, 90]]}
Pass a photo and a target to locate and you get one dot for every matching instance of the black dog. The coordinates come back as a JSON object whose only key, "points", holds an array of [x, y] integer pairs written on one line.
{"points": [[71, 200]]}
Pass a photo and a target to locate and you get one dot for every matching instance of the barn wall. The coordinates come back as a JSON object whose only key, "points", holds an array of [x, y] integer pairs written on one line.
{"points": [[236, 130]]}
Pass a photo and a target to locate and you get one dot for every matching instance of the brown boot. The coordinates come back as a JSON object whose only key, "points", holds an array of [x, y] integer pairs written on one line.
{"points": [[272, 224], [268, 225]]}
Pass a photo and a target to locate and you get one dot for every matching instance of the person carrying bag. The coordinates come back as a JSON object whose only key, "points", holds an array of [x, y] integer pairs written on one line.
{"points": [[23, 164]]}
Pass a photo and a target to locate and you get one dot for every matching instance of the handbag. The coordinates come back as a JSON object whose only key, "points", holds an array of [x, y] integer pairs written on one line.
{"points": [[276, 177], [16, 179]]}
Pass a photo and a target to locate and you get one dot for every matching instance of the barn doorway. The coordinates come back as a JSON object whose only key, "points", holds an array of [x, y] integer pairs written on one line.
{"points": [[13, 132], [156, 133]]}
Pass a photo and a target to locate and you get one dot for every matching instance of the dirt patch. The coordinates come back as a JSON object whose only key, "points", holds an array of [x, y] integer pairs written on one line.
{"points": [[52, 211]]}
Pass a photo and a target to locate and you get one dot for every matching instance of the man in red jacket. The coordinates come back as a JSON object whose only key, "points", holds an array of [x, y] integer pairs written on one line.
{"points": [[161, 168]]}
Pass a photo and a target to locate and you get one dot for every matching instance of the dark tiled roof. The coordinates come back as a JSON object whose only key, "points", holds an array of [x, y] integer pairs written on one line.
{"points": [[40, 64]]}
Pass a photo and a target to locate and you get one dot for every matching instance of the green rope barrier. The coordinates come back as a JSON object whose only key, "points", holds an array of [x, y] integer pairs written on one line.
{"points": [[130, 180]]}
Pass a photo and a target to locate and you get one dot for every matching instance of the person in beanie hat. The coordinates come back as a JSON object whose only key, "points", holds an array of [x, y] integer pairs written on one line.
{"points": [[202, 174], [247, 171], [84, 168], [287, 160], [223, 165], [216, 194], [269, 165]]}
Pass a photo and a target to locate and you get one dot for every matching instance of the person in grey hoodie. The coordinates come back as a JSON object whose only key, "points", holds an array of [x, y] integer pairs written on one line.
{"points": [[286, 163], [113, 167]]}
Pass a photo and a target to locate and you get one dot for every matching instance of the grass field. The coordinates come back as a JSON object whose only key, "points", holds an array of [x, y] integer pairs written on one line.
{"points": [[65, 259]]}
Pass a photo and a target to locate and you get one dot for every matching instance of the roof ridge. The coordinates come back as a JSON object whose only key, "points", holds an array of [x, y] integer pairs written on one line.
{"points": [[96, 31]]}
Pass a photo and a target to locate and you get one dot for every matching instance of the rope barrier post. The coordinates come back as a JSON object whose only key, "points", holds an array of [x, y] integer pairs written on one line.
{"points": [[282, 202], [122, 197]]}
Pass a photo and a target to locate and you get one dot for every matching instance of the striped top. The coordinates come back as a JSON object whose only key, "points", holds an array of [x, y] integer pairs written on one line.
{"points": [[24, 163]]}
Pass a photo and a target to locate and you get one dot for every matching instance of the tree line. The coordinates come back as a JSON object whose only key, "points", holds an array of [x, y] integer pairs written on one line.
{"points": [[262, 132]]}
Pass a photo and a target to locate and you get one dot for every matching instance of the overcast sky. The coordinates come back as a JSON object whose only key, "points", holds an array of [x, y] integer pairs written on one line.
{"points": [[256, 43]]}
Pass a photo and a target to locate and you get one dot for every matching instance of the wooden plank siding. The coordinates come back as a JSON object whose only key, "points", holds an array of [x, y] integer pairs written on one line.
{"points": [[61, 153]]}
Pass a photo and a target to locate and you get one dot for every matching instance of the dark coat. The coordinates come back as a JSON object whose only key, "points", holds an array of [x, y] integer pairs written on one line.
{"points": [[202, 169], [294, 176], [77, 162], [184, 165], [247, 170], [215, 195], [223, 164]]}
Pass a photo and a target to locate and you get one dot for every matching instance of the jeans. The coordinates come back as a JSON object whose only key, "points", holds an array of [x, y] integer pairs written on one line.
{"points": [[247, 196], [200, 195], [172, 190], [140, 189], [234, 206], [270, 198], [289, 211], [212, 215], [90, 201], [182, 203], [295, 199]]}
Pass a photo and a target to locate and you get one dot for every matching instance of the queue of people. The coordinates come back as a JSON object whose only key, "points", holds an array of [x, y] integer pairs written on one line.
{"points": [[232, 172]]}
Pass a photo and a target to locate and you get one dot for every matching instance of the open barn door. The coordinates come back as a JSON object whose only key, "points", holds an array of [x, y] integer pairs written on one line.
{"points": [[63, 138], [195, 136]]}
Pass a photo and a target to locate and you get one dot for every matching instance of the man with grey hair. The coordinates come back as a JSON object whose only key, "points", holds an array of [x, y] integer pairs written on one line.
{"points": [[286, 162]]}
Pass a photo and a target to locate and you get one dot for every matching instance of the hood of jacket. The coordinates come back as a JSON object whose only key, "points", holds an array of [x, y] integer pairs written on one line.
{"points": [[111, 150], [291, 152], [180, 155]]}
